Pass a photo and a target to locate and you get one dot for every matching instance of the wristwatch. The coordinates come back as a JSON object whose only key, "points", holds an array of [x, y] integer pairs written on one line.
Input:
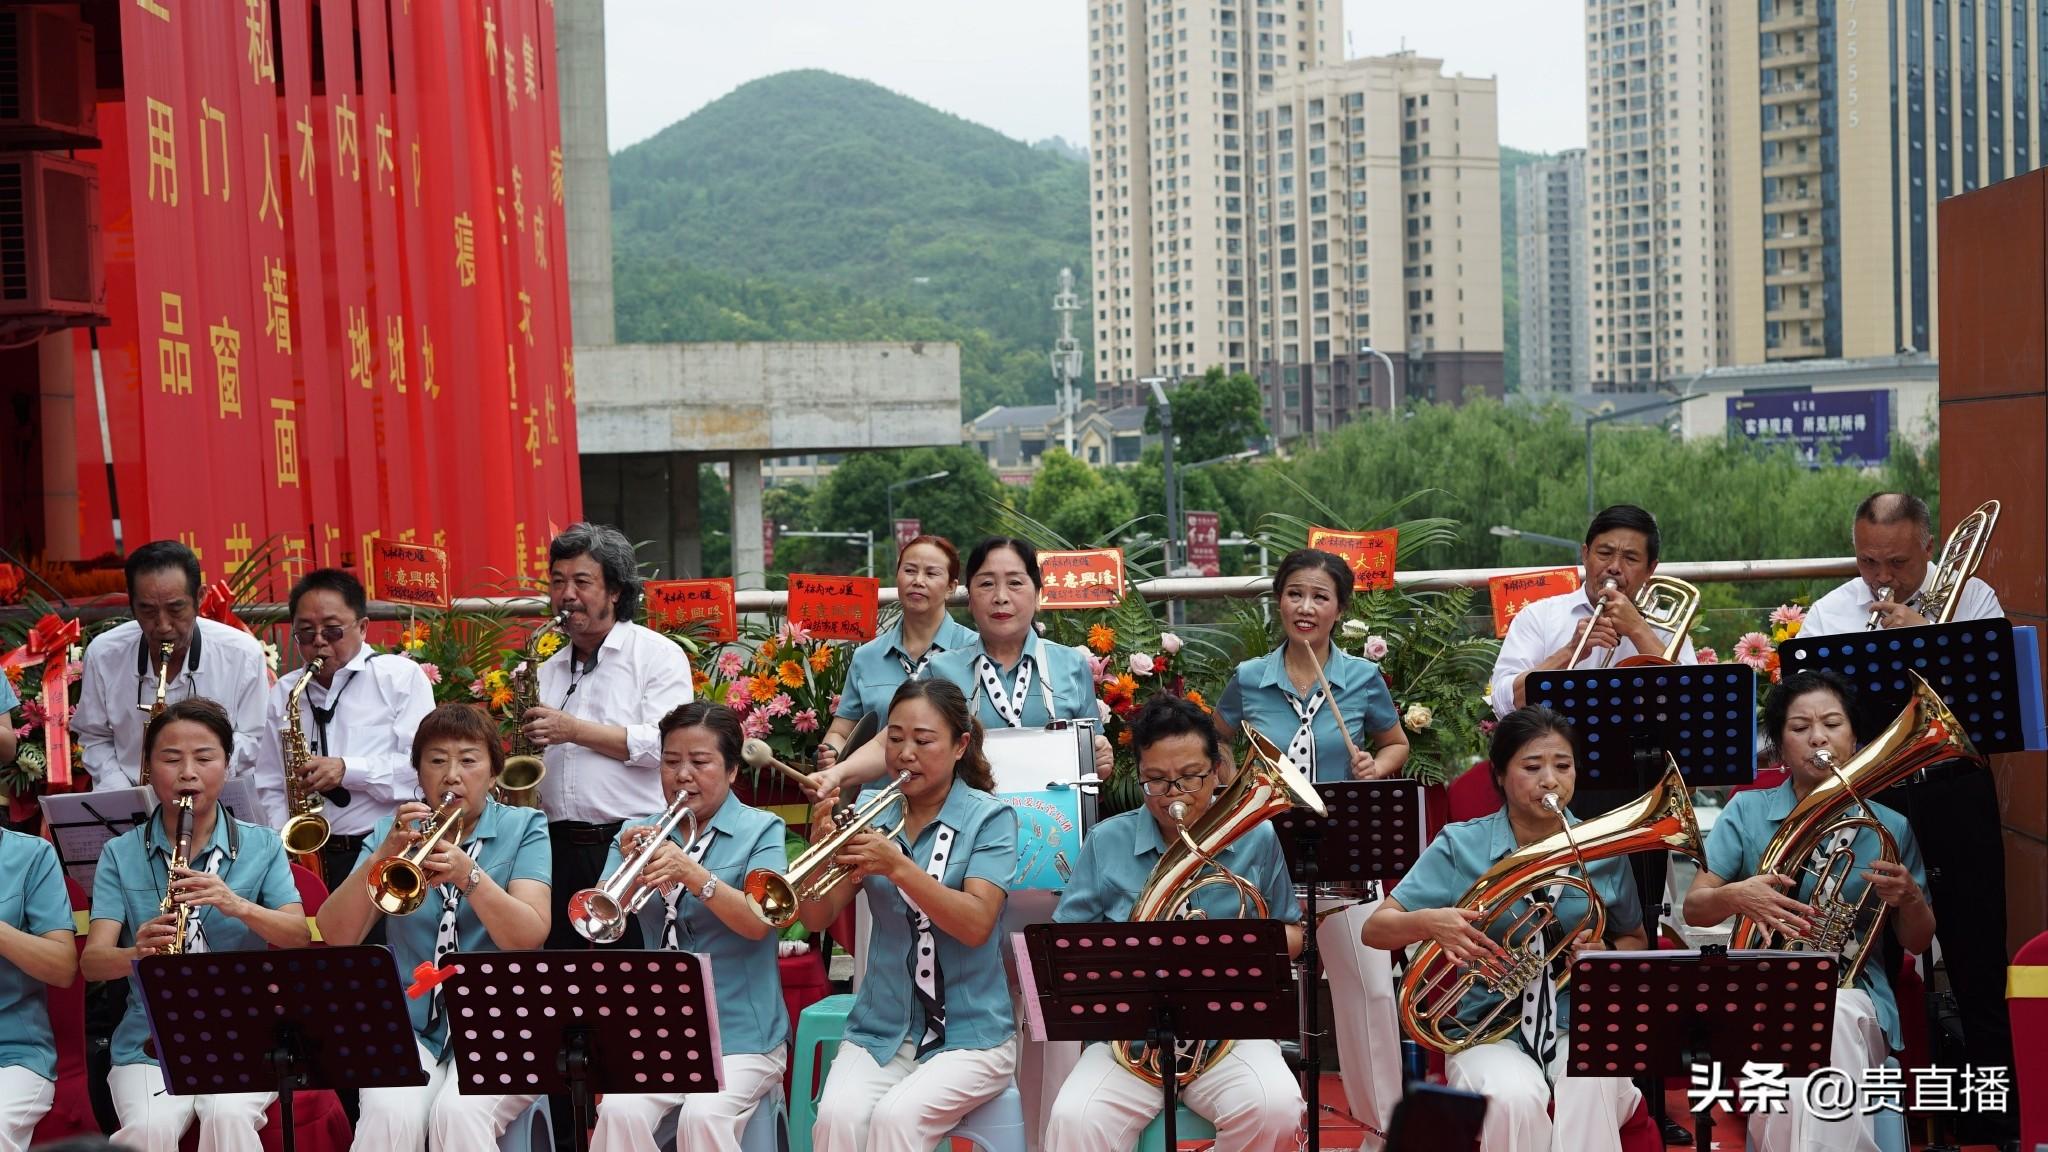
{"points": [[476, 877], [710, 886]]}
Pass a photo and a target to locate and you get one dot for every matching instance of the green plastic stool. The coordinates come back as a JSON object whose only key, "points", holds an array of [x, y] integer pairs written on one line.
{"points": [[1188, 1126], [818, 1031]]}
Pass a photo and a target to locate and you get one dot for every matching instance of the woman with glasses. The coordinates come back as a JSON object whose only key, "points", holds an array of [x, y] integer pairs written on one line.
{"points": [[1250, 1095]]}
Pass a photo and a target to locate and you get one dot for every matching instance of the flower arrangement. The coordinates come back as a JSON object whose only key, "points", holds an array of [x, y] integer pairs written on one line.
{"points": [[27, 777], [783, 682], [1759, 649], [466, 656]]}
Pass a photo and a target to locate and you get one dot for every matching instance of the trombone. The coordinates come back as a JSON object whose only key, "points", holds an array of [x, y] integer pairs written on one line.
{"points": [[398, 884], [599, 914], [1665, 603], [1960, 555], [776, 896]]}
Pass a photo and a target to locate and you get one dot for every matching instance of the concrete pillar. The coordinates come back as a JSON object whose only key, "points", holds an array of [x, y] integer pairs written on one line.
{"points": [[749, 567], [60, 446], [686, 533], [586, 168]]}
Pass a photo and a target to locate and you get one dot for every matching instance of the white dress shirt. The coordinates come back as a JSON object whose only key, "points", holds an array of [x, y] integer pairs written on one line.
{"points": [[639, 676], [378, 702], [1847, 608], [1542, 627], [118, 684]]}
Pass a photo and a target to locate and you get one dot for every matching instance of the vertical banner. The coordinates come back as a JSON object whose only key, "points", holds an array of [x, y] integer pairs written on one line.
{"points": [[1205, 529], [438, 498], [392, 407], [906, 531], [353, 369], [547, 255]]}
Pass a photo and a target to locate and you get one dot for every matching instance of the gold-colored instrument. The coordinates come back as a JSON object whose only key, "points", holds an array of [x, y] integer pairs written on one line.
{"points": [[398, 884], [776, 896], [1960, 555], [163, 687], [1807, 843], [1665, 603], [1267, 784], [599, 914], [305, 830], [1437, 987], [181, 858], [524, 767]]}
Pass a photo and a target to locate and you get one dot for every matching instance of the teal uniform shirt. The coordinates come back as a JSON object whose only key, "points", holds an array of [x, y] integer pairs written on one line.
{"points": [[881, 664], [1261, 693], [33, 899]]}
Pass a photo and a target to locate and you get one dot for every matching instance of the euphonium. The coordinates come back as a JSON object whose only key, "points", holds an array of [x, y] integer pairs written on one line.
{"points": [[1924, 733], [398, 884], [163, 686], [1267, 784], [776, 896], [305, 830], [1533, 937], [524, 767], [180, 860], [599, 914]]}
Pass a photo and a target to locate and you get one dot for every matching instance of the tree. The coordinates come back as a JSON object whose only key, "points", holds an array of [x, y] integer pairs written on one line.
{"points": [[1214, 415], [962, 507], [1075, 501]]}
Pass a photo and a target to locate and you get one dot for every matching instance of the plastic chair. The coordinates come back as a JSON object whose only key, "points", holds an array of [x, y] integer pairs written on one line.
{"points": [[996, 1126], [818, 1031], [1187, 1126], [767, 1129], [534, 1131]]}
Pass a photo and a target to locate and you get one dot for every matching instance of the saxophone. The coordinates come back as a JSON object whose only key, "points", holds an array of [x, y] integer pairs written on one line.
{"points": [[305, 829], [180, 860], [524, 767]]}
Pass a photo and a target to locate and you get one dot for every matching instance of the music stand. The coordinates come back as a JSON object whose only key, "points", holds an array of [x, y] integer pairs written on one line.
{"points": [[1662, 1013], [279, 1021], [620, 1021], [1148, 980], [1373, 833], [1970, 664]]}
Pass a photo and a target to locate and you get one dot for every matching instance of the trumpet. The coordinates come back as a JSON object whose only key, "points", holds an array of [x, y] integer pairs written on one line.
{"points": [[163, 684], [524, 767], [181, 859], [599, 914], [398, 884], [305, 831], [776, 896]]}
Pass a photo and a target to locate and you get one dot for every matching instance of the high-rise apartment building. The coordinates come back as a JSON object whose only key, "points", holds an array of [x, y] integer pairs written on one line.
{"points": [[1846, 123], [1652, 181], [1552, 264]]}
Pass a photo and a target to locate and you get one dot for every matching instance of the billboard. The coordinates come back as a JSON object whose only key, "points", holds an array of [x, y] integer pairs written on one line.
{"points": [[1855, 426]]}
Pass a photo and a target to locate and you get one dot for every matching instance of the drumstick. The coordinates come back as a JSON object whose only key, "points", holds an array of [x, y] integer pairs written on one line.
{"points": [[757, 754], [1330, 694]]}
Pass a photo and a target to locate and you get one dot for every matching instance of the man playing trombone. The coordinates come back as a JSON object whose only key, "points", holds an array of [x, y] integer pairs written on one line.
{"points": [[1597, 627]]}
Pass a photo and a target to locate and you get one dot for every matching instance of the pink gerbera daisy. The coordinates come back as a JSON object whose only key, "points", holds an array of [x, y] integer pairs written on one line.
{"points": [[1788, 614], [778, 704], [1706, 656], [731, 664], [806, 720], [1752, 649]]}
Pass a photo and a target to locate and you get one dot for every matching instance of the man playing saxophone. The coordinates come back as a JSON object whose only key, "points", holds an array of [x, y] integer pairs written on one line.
{"points": [[1249, 1094], [1532, 1103], [356, 718], [1808, 715]]}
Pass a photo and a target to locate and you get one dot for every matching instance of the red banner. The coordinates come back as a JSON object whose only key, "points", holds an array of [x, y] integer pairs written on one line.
{"points": [[1205, 529], [1511, 593], [674, 605], [1370, 554], [1092, 578], [405, 573], [835, 607], [906, 531]]}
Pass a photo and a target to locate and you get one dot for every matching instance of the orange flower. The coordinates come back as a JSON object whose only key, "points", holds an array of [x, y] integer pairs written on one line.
{"points": [[1124, 737], [699, 680], [501, 699], [765, 688], [820, 660], [769, 648], [791, 674], [1102, 638], [1195, 698], [1128, 685]]}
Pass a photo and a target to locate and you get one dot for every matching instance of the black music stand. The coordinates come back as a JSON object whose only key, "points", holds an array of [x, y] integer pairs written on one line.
{"points": [[279, 1021], [1663, 1013], [1373, 833], [620, 1021], [1147, 980], [1970, 664]]}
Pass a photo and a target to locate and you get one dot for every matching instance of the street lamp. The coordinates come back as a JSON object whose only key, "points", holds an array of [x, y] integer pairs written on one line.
{"points": [[1508, 533], [1171, 479], [865, 538], [891, 494], [1369, 350], [1604, 417]]}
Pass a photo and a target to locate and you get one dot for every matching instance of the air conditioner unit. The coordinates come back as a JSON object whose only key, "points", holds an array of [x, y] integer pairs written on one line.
{"points": [[49, 238], [47, 93]]}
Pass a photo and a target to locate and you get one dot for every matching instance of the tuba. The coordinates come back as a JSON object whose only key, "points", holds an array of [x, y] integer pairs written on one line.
{"points": [[1267, 784], [599, 914], [777, 896], [305, 830], [1533, 937], [156, 709], [398, 884], [1924, 733], [1666, 603], [524, 767]]}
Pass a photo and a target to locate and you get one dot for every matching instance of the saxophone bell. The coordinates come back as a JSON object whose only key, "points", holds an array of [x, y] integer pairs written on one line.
{"points": [[306, 830], [524, 766]]}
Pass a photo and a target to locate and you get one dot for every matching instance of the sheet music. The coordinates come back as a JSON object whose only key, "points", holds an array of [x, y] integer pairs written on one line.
{"points": [[81, 823]]}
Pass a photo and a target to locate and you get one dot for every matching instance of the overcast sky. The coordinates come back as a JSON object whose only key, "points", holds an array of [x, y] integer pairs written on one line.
{"points": [[1021, 66]]}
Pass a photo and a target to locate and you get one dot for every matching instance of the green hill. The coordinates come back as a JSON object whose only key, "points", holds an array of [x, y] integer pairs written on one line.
{"points": [[812, 206]]}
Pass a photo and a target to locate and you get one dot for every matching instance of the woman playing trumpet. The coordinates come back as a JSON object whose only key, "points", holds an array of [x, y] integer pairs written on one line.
{"points": [[700, 907], [486, 889], [1534, 765], [930, 1035], [237, 892]]}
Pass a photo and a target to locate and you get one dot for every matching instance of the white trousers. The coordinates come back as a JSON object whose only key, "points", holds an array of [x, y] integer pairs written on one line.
{"points": [[1589, 1111], [403, 1119], [709, 1120], [24, 1098], [1367, 1022], [1250, 1096], [905, 1106], [152, 1120], [1859, 1044]]}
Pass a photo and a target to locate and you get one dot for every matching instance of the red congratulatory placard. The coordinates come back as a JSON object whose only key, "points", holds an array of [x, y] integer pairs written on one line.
{"points": [[1512, 593], [676, 604], [1370, 554], [1092, 578], [405, 573]]}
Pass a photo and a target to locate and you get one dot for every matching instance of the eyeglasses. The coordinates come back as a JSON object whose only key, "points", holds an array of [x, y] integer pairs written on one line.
{"points": [[1185, 785], [332, 633]]}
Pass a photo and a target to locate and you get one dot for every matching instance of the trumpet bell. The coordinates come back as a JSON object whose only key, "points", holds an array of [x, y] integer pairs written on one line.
{"points": [[305, 833], [596, 916], [397, 886], [773, 898]]}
